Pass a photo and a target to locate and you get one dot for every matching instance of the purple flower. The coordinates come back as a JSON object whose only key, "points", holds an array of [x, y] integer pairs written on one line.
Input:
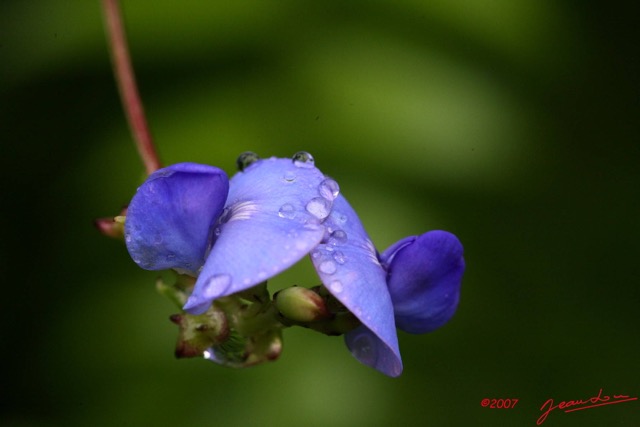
{"points": [[233, 234], [236, 234], [414, 285]]}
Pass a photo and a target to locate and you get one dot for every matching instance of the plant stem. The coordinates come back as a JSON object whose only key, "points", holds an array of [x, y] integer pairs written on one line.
{"points": [[126, 81]]}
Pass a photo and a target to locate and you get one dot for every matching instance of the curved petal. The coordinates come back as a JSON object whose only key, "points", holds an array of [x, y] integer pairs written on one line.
{"points": [[169, 219], [347, 264], [372, 351], [425, 274], [272, 219]]}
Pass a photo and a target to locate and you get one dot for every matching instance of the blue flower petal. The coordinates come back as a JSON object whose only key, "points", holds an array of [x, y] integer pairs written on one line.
{"points": [[372, 351], [348, 266], [272, 219], [424, 278], [169, 219]]}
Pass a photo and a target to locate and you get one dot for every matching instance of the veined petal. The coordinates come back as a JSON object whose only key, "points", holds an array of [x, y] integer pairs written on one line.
{"points": [[348, 266], [424, 278], [272, 219], [169, 219]]}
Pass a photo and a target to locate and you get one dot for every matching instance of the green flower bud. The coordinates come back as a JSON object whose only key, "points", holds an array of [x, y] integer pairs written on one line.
{"points": [[301, 305]]}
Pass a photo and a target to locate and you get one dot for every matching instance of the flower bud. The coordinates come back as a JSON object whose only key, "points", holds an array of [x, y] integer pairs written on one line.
{"points": [[111, 227], [301, 305]]}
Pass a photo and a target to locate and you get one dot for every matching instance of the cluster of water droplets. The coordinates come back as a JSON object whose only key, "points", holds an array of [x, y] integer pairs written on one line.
{"points": [[328, 258]]}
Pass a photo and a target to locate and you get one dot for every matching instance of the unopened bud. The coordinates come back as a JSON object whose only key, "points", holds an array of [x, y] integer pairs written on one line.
{"points": [[111, 226], [301, 305]]}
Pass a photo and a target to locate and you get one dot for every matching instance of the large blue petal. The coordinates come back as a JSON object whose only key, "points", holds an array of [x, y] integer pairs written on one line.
{"points": [[348, 266], [272, 219], [424, 278], [170, 218]]}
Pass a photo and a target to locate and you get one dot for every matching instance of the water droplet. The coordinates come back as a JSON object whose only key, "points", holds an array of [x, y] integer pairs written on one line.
{"points": [[217, 231], [137, 261], [336, 286], [315, 254], [338, 237], [157, 239], [364, 350], [302, 159], [289, 176], [287, 211], [339, 257], [127, 238], [319, 207], [327, 267], [340, 217], [246, 159], [329, 189], [216, 286]]}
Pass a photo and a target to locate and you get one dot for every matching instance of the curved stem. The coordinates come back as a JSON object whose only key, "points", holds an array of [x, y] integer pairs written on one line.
{"points": [[127, 85]]}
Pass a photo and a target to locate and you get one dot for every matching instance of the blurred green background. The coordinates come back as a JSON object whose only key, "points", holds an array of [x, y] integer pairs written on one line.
{"points": [[513, 124]]}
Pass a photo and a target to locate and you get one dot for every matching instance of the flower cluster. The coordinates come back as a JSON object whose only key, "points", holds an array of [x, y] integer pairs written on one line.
{"points": [[232, 235]]}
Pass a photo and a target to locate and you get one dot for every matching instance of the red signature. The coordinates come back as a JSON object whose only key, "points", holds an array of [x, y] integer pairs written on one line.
{"points": [[593, 402]]}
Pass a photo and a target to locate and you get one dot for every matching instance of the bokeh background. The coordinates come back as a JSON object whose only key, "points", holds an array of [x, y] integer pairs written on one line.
{"points": [[513, 124]]}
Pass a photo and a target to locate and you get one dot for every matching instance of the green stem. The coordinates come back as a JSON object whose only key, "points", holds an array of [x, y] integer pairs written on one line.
{"points": [[126, 81]]}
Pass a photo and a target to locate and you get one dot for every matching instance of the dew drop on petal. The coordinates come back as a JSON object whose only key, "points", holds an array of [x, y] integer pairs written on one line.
{"points": [[127, 238], [339, 257], [302, 159], [340, 217], [315, 254], [327, 267], [364, 350], [338, 237], [216, 285], [289, 176], [287, 211], [217, 231], [336, 286], [329, 189], [319, 207], [157, 239], [246, 159]]}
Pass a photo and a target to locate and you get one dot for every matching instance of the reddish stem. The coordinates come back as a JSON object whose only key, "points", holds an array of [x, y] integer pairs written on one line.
{"points": [[126, 81]]}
